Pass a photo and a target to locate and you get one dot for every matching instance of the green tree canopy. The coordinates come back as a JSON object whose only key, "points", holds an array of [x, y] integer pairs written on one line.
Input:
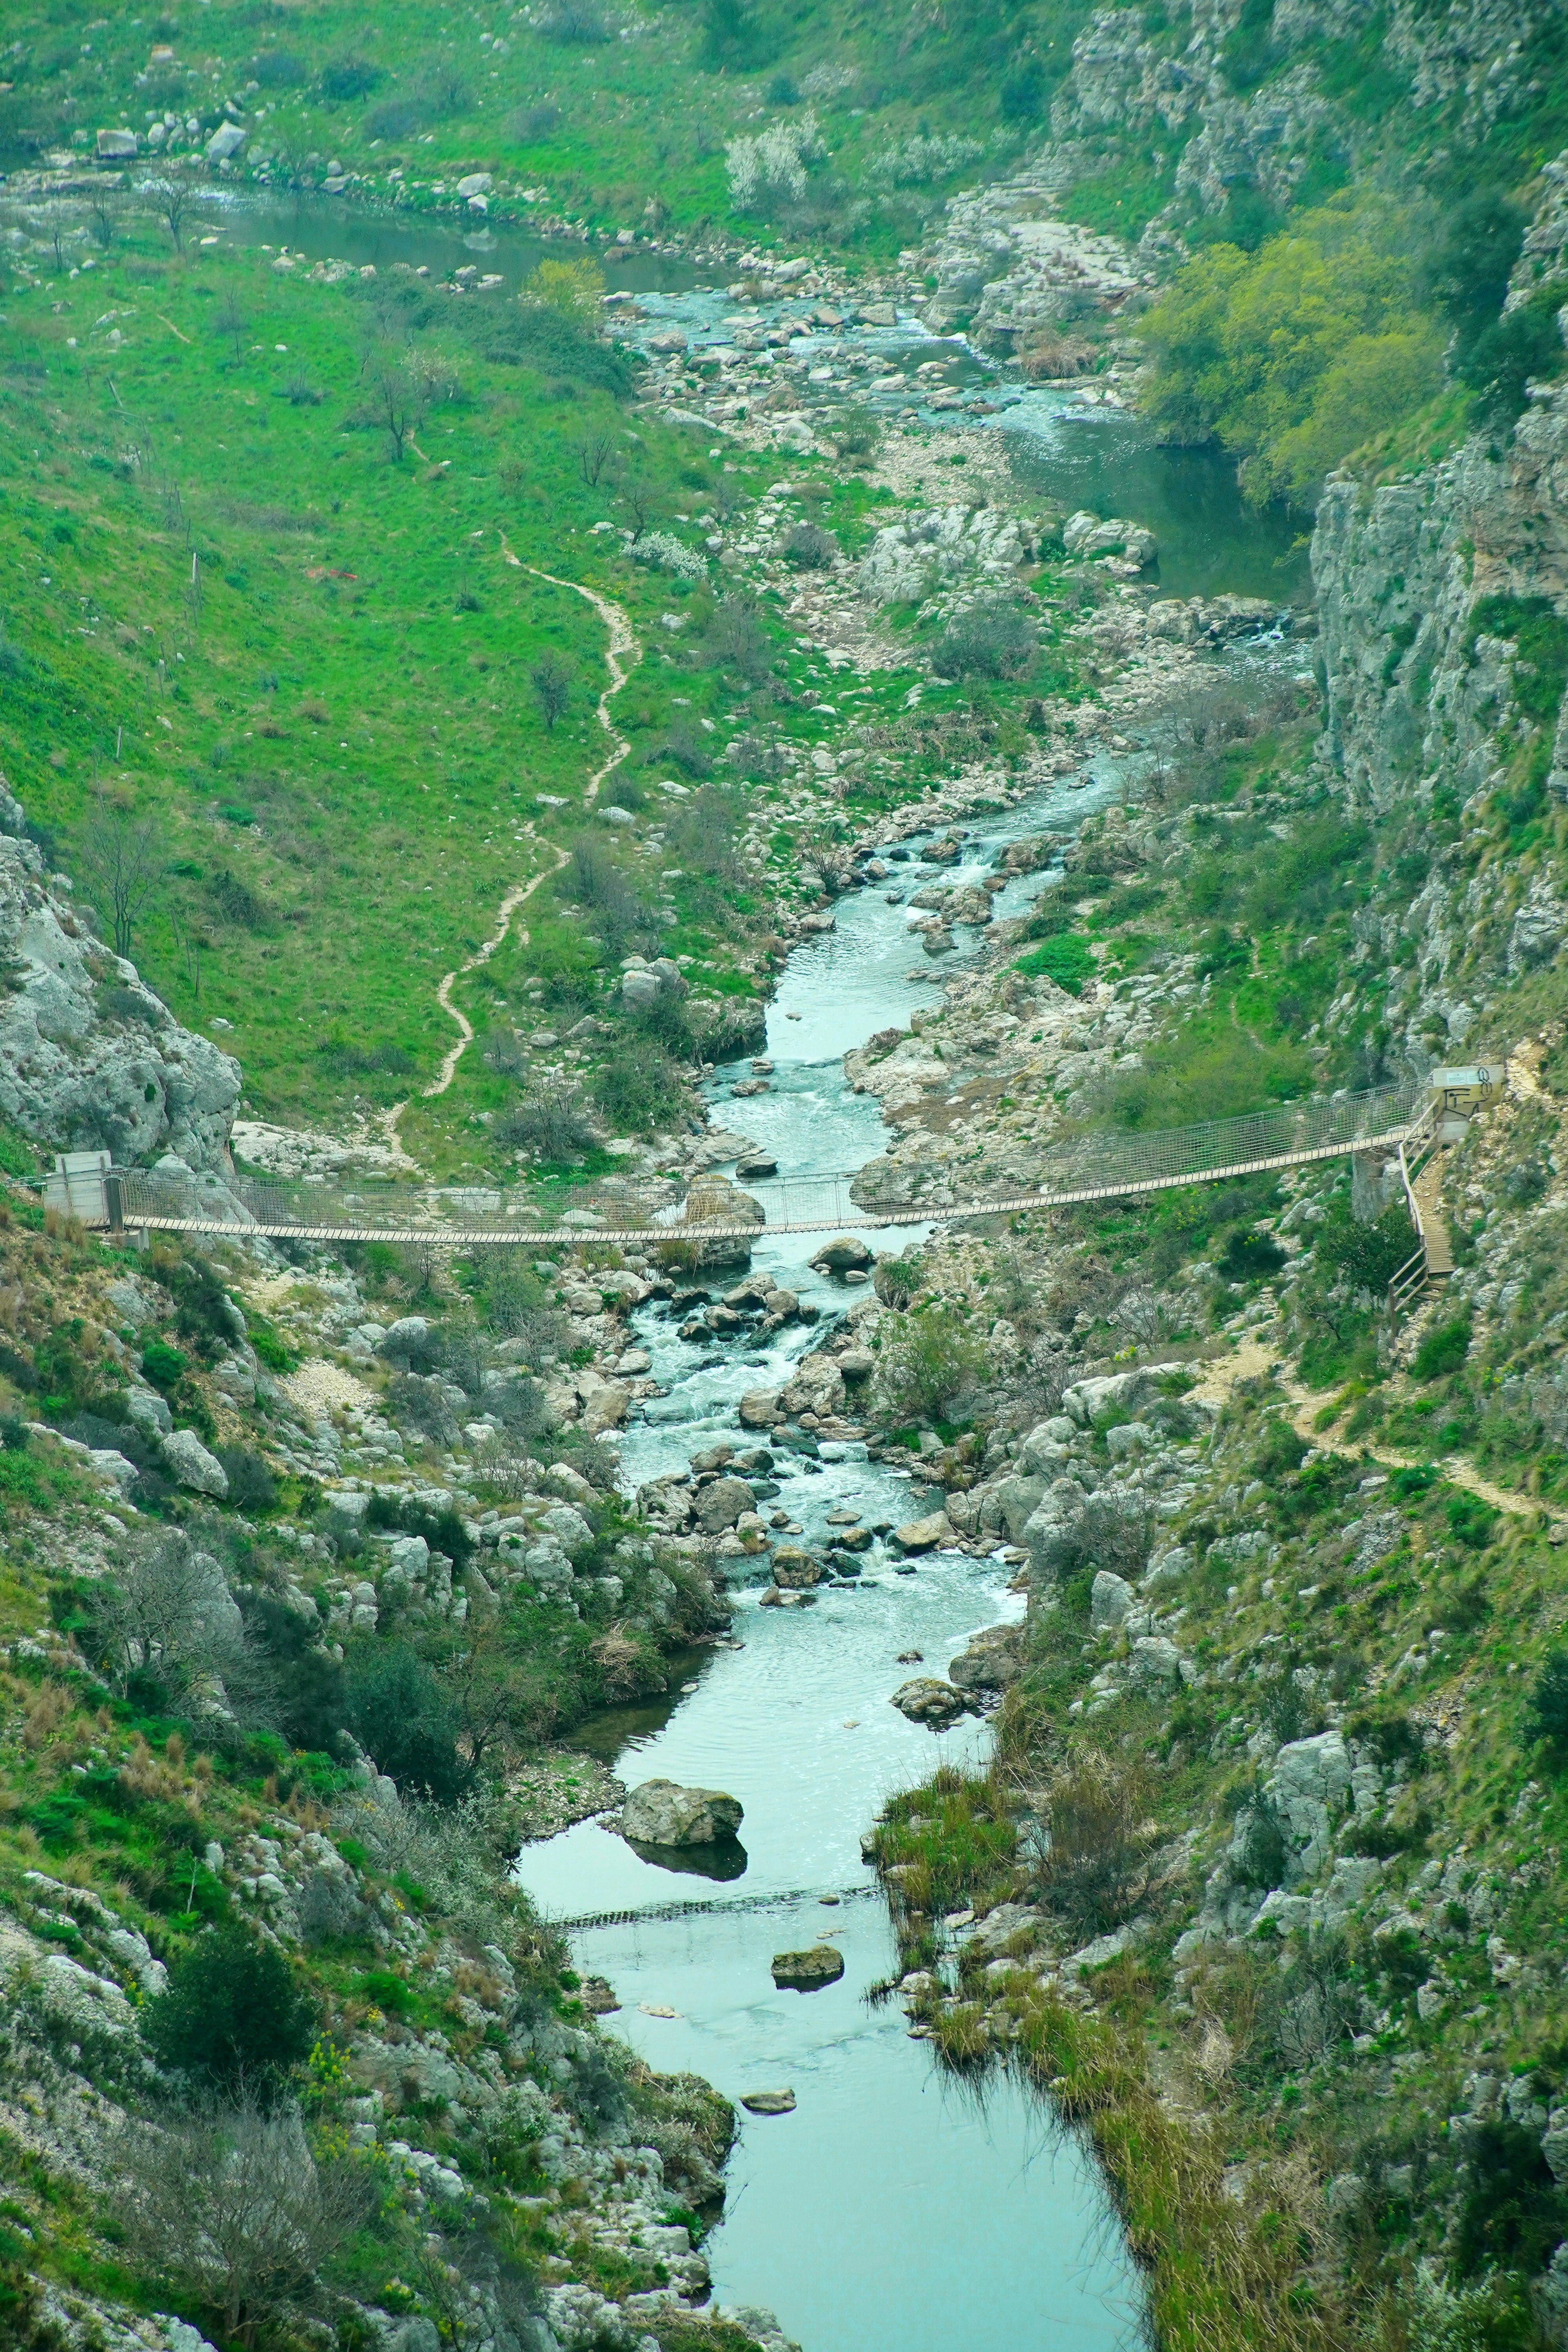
{"points": [[1295, 355]]}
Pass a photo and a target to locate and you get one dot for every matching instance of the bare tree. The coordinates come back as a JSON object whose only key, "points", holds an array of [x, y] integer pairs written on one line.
{"points": [[593, 456], [231, 321], [229, 2201], [123, 860], [105, 216], [171, 200], [402, 395], [165, 1610], [552, 688]]}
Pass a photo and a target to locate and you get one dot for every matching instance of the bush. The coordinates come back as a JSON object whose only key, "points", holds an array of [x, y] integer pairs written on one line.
{"points": [[992, 639], [1248, 1256], [252, 1486], [347, 78], [1097, 1870], [1471, 1520], [552, 1121], [640, 1089], [927, 1369], [809, 548], [235, 2016], [401, 1717], [1443, 1349], [1066, 959], [308, 1693], [1548, 1716], [163, 1364]]}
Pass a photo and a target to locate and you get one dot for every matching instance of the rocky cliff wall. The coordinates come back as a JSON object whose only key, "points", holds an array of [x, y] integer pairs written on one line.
{"points": [[1416, 691], [89, 1058]]}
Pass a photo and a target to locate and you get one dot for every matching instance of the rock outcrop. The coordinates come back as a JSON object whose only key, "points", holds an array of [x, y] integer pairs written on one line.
{"points": [[89, 1058]]}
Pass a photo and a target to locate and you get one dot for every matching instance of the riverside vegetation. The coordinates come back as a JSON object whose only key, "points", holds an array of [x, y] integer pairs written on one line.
{"points": [[313, 1563]]}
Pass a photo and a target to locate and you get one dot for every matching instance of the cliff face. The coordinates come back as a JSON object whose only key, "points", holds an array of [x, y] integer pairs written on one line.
{"points": [[1419, 687], [89, 1058]]}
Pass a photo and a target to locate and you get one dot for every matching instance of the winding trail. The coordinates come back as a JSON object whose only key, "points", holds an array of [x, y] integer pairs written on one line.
{"points": [[622, 654]]}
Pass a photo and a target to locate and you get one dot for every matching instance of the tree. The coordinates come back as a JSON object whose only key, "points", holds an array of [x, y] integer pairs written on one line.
{"points": [[402, 395], [1295, 355], [229, 2201], [592, 455], [104, 213], [404, 1720], [574, 288], [166, 1616], [123, 859], [230, 323], [552, 683], [235, 2018], [172, 199]]}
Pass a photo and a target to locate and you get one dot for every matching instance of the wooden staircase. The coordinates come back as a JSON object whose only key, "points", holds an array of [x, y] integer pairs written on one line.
{"points": [[1421, 1167]]}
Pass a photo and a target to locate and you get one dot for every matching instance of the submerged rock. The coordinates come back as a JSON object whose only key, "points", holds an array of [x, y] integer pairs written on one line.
{"points": [[768, 2102], [661, 1812]]}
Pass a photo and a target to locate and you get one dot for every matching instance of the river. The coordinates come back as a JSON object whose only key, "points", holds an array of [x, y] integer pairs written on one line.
{"points": [[896, 2210]]}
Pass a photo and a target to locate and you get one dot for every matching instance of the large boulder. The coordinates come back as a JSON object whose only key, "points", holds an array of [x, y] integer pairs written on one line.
{"points": [[193, 1465], [1109, 1598], [1310, 1787], [992, 1662], [661, 1812], [89, 1058], [1088, 1400], [845, 1255], [795, 1570], [924, 1535], [720, 1504], [927, 1699], [759, 1409], [807, 1971]]}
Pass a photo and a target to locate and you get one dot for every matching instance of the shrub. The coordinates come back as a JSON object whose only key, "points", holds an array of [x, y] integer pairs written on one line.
{"points": [[552, 1121], [768, 172], [991, 639], [928, 1367], [809, 548], [163, 1364], [1066, 959], [1248, 1256], [1471, 1520], [252, 1486], [234, 2015], [279, 69], [1097, 1869], [639, 1088], [347, 78], [1443, 1349], [1548, 1716], [578, 23], [401, 1717]]}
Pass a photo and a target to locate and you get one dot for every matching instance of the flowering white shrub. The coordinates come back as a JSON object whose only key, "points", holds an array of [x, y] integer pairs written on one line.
{"points": [[770, 169], [666, 553], [910, 163]]}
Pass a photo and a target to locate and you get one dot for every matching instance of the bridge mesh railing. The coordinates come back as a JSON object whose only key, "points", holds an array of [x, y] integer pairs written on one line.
{"points": [[1290, 1131], [1082, 1167]]}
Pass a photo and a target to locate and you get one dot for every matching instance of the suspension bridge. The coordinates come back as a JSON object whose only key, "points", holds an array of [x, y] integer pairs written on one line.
{"points": [[1409, 1122]]}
